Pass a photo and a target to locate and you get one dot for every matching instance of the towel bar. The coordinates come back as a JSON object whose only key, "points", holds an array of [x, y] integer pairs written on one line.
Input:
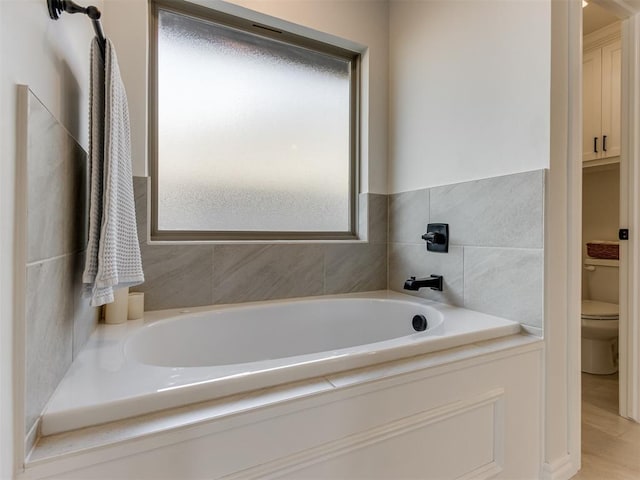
{"points": [[58, 6]]}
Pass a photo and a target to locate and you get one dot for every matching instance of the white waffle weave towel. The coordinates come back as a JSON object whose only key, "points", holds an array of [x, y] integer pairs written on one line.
{"points": [[113, 252]]}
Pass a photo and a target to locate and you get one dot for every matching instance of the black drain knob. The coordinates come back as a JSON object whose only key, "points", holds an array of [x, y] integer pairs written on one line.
{"points": [[419, 323]]}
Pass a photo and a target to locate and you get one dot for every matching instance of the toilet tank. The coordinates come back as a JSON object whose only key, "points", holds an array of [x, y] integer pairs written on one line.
{"points": [[601, 280]]}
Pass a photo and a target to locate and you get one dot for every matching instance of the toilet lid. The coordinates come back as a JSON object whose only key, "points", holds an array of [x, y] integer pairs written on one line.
{"points": [[603, 310]]}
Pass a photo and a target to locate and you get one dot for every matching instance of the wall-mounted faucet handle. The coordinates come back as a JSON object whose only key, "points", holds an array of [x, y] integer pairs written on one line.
{"points": [[434, 237], [437, 237]]}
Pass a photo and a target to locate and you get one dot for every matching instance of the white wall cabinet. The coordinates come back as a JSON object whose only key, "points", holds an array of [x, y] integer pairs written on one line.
{"points": [[601, 77]]}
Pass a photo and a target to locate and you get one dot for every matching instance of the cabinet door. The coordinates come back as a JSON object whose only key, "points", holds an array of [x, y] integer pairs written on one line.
{"points": [[591, 104], [611, 78]]}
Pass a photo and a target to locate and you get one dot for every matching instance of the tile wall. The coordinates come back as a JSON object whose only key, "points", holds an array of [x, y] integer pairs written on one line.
{"points": [[494, 264], [495, 260], [192, 275], [58, 319]]}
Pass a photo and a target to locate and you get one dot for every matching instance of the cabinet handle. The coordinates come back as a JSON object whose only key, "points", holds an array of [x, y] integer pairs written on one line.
{"points": [[604, 143], [595, 144]]}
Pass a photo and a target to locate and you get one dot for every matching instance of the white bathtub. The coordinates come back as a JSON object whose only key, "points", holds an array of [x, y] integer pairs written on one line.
{"points": [[175, 358]]}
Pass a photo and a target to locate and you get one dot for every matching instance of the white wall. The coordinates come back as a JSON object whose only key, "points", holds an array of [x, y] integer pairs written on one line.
{"points": [[126, 24], [601, 203], [364, 23], [53, 59], [600, 216], [469, 90]]}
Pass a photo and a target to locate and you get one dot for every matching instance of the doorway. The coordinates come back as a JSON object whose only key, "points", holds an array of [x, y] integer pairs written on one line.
{"points": [[609, 202], [563, 234], [601, 200]]}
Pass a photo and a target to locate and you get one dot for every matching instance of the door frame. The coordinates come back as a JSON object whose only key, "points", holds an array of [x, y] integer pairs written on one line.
{"points": [[629, 369], [563, 233], [630, 218]]}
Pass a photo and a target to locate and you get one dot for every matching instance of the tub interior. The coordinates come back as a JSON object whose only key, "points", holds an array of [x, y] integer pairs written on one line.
{"points": [[252, 334]]}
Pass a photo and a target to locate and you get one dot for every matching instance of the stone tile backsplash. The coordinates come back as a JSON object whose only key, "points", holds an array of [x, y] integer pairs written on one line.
{"points": [[49, 327], [494, 264], [377, 216], [355, 268], [56, 168], [194, 275], [58, 320], [180, 275], [495, 260], [408, 216], [506, 282], [406, 260], [245, 273], [502, 211]]}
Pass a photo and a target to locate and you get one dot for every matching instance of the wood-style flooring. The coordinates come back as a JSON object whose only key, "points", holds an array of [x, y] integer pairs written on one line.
{"points": [[610, 443]]}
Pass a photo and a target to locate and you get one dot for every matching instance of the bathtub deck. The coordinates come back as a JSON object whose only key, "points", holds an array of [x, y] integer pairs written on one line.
{"points": [[105, 385], [174, 424]]}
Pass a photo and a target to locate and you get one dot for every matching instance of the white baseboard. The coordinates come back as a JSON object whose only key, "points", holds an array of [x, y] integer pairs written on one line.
{"points": [[560, 469]]}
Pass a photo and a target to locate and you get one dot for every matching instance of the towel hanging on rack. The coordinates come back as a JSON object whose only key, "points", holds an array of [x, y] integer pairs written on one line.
{"points": [[113, 252]]}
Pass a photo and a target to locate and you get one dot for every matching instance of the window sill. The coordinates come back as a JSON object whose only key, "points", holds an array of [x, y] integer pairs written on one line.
{"points": [[254, 242]]}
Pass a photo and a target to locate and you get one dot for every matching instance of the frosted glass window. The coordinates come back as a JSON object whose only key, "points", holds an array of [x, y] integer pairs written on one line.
{"points": [[253, 134]]}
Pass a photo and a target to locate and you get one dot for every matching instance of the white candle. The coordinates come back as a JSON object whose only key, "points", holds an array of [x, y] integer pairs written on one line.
{"points": [[116, 312], [136, 305]]}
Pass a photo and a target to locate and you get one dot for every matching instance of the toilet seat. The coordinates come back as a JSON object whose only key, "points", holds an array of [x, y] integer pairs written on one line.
{"points": [[599, 311]]}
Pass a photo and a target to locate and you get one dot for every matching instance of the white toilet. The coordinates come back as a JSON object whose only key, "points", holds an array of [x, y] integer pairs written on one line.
{"points": [[600, 317]]}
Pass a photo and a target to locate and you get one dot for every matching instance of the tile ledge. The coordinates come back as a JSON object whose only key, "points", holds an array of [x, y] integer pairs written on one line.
{"points": [[253, 242], [91, 439]]}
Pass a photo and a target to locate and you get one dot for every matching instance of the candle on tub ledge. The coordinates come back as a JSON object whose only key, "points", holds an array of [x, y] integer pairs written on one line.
{"points": [[136, 306], [116, 312]]}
